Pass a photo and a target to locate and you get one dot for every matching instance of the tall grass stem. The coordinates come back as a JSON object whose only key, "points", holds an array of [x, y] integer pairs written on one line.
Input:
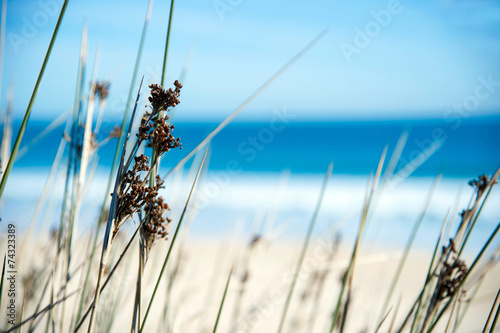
{"points": [[27, 114], [305, 246]]}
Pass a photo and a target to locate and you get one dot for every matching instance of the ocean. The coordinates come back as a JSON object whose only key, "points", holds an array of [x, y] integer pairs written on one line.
{"points": [[468, 149], [266, 176]]}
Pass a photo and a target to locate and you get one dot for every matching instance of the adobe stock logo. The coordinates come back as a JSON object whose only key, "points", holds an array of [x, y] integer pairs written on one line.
{"points": [[221, 7], [471, 103], [31, 26], [371, 30], [248, 149]]}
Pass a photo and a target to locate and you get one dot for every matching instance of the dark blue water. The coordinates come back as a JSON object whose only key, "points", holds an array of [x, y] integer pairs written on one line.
{"points": [[471, 148]]}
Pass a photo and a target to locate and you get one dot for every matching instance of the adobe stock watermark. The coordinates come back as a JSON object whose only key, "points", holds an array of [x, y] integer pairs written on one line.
{"points": [[316, 259], [249, 149], [425, 149], [152, 75], [30, 27], [372, 29], [455, 115], [222, 7], [483, 91]]}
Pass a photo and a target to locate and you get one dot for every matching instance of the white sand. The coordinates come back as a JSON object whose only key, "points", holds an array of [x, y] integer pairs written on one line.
{"points": [[205, 267]]}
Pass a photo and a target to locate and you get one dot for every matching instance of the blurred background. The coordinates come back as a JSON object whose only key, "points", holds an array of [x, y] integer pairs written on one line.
{"points": [[421, 73]]}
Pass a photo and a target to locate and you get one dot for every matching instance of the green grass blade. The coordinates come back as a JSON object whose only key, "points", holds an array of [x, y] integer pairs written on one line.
{"points": [[122, 255], [408, 246], [429, 274], [111, 219], [167, 42], [156, 166], [382, 321], [1, 279], [172, 243], [7, 125], [347, 280], [127, 108], [20, 134], [495, 302], [393, 322], [471, 295], [223, 300], [336, 311], [497, 315], [305, 246], [174, 272], [137, 303], [2, 37]]}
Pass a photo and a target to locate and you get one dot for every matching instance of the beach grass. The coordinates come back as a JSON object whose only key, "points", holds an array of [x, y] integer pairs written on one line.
{"points": [[67, 288]]}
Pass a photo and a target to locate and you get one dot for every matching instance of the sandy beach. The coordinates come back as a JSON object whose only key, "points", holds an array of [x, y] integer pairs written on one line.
{"points": [[261, 278]]}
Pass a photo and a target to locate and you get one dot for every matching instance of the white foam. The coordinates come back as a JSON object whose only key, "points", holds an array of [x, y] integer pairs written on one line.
{"points": [[222, 200]]}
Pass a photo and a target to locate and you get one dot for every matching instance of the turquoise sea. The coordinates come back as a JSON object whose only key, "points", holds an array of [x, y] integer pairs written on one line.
{"points": [[265, 176]]}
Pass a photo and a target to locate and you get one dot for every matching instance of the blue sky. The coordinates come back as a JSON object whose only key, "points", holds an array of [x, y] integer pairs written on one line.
{"points": [[420, 61]]}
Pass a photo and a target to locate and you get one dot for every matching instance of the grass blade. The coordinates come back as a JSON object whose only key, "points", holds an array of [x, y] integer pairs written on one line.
{"points": [[409, 244], [396, 155], [49, 129], [127, 108], [489, 265], [42, 294], [336, 312], [245, 104], [7, 128], [415, 163], [476, 260], [137, 303], [20, 134], [305, 246], [495, 302], [395, 316], [122, 255], [222, 301], [349, 274], [2, 37], [497, 315], [492, 182], [383, 320], [418, 303], [450, 319], [172, 243], [167, 42], [87, 133], [46, 190], [111, 220], [45, 309], [73, 134], [83, 55], [1, 279]]}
